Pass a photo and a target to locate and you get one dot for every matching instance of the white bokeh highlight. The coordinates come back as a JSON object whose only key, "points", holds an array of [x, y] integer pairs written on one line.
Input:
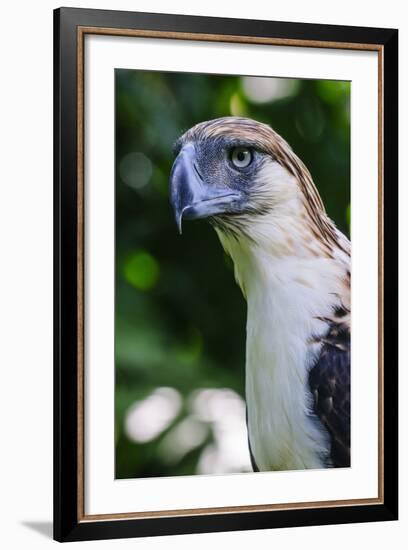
{"points": [[264, 90], [224, 409], [148, 418]]}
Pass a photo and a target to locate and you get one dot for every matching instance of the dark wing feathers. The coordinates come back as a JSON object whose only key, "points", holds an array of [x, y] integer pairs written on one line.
{"points": [[329, 382]]}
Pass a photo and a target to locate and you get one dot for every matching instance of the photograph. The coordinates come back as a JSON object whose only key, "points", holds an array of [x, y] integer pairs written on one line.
{"points": [[232, 274]]}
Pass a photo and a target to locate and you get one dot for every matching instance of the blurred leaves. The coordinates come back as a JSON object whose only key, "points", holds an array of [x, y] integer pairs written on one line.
{"points": [[180, 318]]}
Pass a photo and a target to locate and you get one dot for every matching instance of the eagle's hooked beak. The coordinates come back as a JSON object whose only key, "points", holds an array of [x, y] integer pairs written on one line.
{"points": [[190, 197]]}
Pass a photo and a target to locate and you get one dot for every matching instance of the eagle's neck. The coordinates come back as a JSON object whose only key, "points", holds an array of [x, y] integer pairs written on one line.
{"points": [[292, 287]]}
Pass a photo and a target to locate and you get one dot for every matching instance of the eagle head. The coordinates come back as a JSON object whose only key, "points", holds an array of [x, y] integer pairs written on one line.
{"points": [[236, 171]]}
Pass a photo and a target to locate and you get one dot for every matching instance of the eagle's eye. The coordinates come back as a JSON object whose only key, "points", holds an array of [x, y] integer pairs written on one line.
{"points": [[241, 157]]}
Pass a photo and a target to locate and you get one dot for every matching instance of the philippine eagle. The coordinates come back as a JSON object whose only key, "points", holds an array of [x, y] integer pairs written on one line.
{"points": [[293, 267]]}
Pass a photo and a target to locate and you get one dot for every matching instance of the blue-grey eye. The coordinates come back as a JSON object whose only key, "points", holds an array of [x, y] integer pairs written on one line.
{"points": [[241, 157]]}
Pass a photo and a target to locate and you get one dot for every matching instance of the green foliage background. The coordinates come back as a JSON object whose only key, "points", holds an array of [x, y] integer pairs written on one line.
{"points": [[180, 318]]}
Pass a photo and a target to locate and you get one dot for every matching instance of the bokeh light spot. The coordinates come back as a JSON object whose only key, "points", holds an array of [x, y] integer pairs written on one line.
{"points": [[260, 89], [225, 411], [141, 270], [187, 435], [237, 105], [135, 170], [148, 418]]}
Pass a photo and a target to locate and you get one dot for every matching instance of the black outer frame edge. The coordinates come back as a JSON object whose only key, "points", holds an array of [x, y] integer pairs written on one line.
{"points": [[227, 522], [56, 262], [226, 26], [65, 282], [66, 525], [56, 306], [390, 262]]}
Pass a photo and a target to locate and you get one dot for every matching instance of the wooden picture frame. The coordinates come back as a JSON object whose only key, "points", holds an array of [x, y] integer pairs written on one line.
{"points": [[71, 26]]}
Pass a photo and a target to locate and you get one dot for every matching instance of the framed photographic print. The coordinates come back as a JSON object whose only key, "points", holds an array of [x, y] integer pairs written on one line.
{"points": [[225, 274]]}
